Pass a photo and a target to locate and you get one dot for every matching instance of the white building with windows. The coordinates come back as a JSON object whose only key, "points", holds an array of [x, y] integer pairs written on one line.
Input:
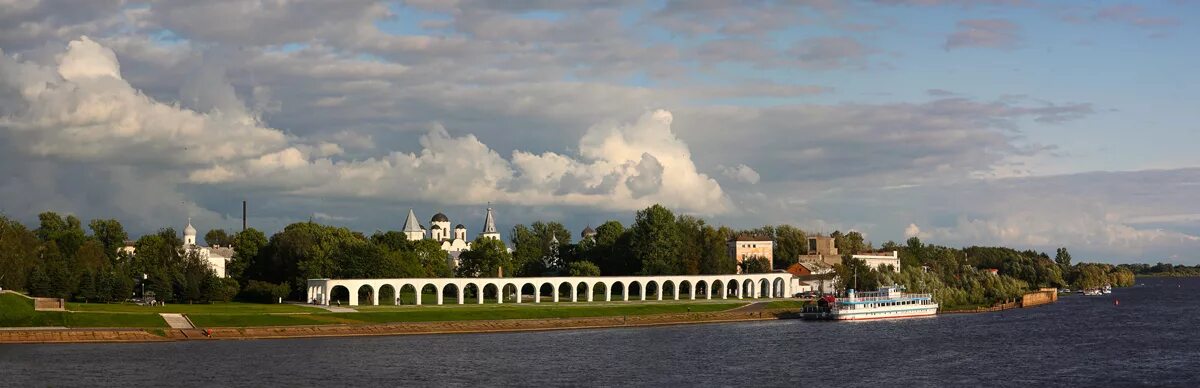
{"points": [[880, 260]]}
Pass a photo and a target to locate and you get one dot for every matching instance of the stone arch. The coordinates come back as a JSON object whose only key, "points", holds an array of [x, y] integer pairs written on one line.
{"points": [[471, 291], [668, 290], [562, 291], [512, 290], [429, 294], [636, 290], [653, 290], [777, 288], [528, 289], [686, 290], [366, 295], [453, 291], [387, 295], [583, 291], [733, 288], [339, 294], [620, 290], [491, 290], [747, 289], [764, 288], [702, 289], [600, 291], [407, 293], [716, 289], [545, 290]]}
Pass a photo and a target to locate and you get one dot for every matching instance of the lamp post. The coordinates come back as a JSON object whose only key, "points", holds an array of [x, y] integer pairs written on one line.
{"points": [[144, 277]]}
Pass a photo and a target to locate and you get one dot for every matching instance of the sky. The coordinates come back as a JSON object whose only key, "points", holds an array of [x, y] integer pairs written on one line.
{"points": [[1021, 123]]}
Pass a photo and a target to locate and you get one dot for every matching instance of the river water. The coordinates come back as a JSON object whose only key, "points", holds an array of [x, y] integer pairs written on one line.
{"points": [[1151, 338]]}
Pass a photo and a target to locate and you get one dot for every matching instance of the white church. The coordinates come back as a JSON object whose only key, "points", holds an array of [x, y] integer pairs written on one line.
{"points": [[216, 256], [453, 241]]}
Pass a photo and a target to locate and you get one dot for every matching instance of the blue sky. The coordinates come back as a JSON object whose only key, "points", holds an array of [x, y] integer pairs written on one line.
{"points": [[1032, 124]]}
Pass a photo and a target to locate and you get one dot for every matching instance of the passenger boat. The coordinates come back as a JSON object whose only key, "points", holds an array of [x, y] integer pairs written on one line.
{"points": [[887, 303], [1092, 292]]}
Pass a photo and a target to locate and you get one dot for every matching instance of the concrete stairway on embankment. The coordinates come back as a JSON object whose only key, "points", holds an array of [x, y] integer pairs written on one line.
{"points": [[177, 321]]}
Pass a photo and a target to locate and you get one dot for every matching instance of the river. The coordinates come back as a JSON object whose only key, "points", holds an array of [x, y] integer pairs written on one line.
{"points": [[1149, 339]]}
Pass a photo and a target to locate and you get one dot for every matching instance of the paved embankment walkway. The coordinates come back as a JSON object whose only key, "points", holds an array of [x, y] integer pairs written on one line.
{"points": [[336, 309], [177, 321]]}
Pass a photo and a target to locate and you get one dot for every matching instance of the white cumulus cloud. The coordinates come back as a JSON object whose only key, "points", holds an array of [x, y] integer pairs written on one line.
{"points": [[81, 108], [740, 173]]}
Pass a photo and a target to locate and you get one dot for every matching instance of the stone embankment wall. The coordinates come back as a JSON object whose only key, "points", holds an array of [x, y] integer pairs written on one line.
{"points": [[53, 304], [1040, 297]]}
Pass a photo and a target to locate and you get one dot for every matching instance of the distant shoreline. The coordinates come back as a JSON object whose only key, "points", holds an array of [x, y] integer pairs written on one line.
{"points": [[118, 335]]}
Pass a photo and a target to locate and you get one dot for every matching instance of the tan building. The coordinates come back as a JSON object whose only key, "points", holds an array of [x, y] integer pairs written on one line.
{"points": [[821, 249], [746, 246]]}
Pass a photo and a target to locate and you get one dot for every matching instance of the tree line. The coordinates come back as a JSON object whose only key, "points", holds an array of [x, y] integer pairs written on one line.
{"points": [[963, 277], [59, 258]]}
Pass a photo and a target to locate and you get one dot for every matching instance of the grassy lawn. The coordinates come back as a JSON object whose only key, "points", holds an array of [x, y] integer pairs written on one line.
{"points": [[247, 320], [387, 314], [113, 320], [214, 308], [17, 311], [477, 312]]}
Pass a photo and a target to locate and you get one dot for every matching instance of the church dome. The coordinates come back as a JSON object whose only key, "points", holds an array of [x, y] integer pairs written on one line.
{"points": [[588, 231], [440, 218], [460, 226], [189, 230]]}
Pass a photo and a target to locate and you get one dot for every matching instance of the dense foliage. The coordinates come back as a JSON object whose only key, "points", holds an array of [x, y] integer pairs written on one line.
{"points": [[60, 259], [964, 277], [1162, 269]]}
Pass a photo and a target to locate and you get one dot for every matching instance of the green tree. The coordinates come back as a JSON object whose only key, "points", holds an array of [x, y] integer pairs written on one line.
{"points": [[18, 254], [485, 258], [359, 259], [611, 250], [756, 264], [66, 233], [790, 243], [1062, 257], [583, 268], [527, 251], [691, 247], [218, 237], [715, 259], [246, 246], [111, 235], [655, 241], [432, 258]]}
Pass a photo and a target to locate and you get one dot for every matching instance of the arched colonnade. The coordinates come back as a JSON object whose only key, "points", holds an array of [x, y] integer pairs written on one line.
{"points": [[573, 289]]}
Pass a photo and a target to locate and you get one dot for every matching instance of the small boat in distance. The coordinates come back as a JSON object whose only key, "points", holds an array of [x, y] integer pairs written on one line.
{"points": [[1092, 292], [887, 303]]}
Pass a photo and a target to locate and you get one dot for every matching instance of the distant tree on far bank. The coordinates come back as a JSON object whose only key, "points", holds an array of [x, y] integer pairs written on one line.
{"points": [[485, 258], [218, 237], [583, 268], [755, 264]]}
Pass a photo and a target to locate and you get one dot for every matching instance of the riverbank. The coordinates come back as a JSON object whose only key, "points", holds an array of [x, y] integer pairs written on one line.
{"points": [[401, 328]]}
